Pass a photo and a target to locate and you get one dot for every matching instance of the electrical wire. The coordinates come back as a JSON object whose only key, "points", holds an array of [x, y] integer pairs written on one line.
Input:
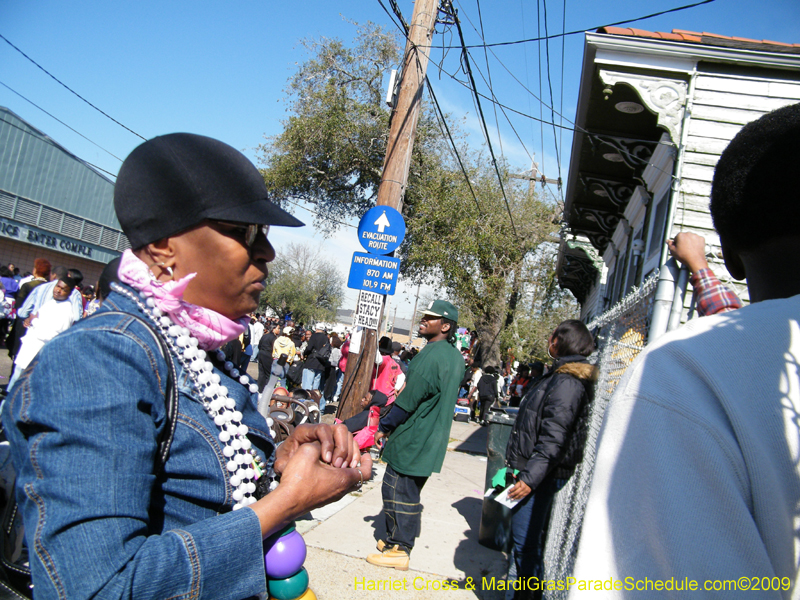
{"points": [[525, 56], [466, 61], [316, 214], [402, 25], [440, 118], [396, 10], [70, 89], [489, 75], [500, 106], [550, 86], [9, 88], [561, 103], [557, 35], [452, 142], [539, 60], [574, 128], [494, 102]]}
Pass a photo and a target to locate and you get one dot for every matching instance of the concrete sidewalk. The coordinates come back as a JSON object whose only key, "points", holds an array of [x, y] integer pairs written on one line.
{"points": [[340, 536]]}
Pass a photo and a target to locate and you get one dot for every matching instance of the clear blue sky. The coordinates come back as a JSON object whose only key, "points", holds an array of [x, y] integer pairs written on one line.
{"points": [[219, 69]]}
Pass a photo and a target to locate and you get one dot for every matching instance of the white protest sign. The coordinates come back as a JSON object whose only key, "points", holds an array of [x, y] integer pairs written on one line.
{"points": [[368, 313]]}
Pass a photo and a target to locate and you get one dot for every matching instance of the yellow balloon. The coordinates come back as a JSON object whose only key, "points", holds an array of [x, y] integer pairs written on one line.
{"points": [[307, 595]]}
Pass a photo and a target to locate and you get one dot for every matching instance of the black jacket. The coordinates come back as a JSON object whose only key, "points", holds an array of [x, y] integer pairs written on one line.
{"points": [[265, 350], [543, 439], [316, 343]]}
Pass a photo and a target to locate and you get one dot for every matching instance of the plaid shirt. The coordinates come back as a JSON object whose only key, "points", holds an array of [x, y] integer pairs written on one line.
{"points": [[712, 296]]}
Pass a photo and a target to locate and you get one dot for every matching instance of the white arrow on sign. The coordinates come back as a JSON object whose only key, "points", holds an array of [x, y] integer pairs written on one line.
{"points": [[382, 222]]}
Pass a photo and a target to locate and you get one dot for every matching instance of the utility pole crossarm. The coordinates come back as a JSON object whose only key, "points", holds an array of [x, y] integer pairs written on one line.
{"points": [[541, 179]]}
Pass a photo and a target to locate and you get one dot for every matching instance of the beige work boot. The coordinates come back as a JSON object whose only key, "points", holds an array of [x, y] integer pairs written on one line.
{"points": [[392, 557], [380, 545]]}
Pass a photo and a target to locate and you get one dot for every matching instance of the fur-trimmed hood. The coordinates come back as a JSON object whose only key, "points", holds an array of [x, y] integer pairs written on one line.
{"points": [[541, 439], [580, 370]]}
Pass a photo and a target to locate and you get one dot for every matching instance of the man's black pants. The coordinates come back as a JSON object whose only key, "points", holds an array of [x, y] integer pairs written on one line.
{"points": [[401, 508], [264, 368]]}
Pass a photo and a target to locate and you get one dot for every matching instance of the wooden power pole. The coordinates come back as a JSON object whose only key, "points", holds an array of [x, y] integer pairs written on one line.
{"points": [[403, 129]]}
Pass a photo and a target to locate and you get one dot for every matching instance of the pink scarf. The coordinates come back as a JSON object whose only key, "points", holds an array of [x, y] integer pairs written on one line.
{"points": [[211, 329]]}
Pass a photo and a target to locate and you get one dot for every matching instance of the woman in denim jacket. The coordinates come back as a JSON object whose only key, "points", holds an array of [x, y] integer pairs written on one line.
{"points": [[105, 516]]}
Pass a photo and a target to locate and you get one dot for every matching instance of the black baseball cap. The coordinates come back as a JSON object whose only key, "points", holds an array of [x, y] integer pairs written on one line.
{"points": [[174, 182]]}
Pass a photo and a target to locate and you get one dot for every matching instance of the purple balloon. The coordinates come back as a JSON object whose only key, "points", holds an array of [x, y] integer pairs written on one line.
{"points": [[286, 556]]}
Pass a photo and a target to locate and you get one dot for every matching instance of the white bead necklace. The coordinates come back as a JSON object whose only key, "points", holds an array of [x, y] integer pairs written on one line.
{"points": [[237, 449]]}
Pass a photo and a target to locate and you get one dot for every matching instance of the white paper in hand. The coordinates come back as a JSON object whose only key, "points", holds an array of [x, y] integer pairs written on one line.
{"points": [[505, 500]]}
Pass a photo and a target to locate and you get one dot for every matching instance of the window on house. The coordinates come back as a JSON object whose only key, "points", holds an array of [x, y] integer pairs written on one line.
{"points": [[657, 222], [618, 278], [631, 280]]}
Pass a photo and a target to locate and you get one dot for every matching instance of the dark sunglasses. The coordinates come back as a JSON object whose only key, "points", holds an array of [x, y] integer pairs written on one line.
{"points": [[248, 232]]}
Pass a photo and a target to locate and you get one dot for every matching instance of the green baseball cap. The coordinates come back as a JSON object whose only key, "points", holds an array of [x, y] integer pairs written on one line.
{"points": [[442, 308]]}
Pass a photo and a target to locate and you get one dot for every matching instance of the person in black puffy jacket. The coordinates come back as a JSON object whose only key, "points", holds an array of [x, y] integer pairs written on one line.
{"points": [[546, 442]]}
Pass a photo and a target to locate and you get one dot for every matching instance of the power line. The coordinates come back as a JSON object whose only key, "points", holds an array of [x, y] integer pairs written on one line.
{"points": [[575, 128], [539, 60], [70, 89], [489, 75], [561, 103], [440, 118], [402, 25], [550, 86], [60, 121], [510, 124], [494, 103], [452, 142], [316, 214], [557, 35], [480, 111]]}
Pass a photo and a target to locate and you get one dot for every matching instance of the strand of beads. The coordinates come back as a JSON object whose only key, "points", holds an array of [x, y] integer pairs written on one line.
{"points": [[236, 448], [284, 555]]}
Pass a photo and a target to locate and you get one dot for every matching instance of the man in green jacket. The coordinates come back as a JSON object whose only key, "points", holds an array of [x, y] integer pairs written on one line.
{"points": [[417, 429]]}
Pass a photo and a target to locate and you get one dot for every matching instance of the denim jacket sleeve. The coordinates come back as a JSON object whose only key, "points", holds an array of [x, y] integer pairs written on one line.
{"points": [[83, 426]]}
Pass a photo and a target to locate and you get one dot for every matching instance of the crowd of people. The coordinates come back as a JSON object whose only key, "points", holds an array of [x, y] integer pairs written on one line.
{"points": [[151, 470]]}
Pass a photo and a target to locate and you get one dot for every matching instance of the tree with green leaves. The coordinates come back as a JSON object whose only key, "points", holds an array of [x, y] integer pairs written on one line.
{"points": [[486, 244], [469, 235], [303, 283]]}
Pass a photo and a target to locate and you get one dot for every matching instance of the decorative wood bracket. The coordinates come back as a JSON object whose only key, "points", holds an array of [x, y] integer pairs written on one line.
{"points": [[665, 97]]}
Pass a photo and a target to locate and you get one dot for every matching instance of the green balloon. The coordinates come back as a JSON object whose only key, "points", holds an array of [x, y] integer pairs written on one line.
{"points": [[289, 588]]}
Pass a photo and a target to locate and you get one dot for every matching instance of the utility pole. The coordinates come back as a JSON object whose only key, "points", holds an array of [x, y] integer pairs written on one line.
{"points": [[394, 179], [394, 318], [414, 314]]}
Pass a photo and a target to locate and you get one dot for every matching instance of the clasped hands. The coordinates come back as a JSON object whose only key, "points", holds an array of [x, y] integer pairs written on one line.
{"points": [[321, 463]]}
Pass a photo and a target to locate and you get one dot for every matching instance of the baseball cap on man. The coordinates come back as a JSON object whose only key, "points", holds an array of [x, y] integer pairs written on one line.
{"points": [[442, 308], [288, 330], [174, 182]]}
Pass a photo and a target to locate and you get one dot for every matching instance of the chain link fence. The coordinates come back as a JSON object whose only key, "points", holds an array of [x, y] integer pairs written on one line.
{"points": [[622, 336]]}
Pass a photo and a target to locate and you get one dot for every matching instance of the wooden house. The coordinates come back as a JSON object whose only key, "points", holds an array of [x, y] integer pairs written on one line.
{"points": [[655, 110]]}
